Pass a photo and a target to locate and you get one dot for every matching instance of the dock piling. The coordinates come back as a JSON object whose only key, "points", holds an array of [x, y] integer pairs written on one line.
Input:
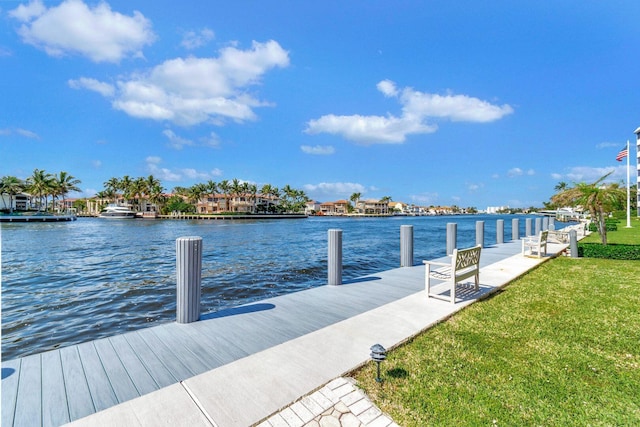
{"points": [[538, 226], [500, 231], [335, 257], [573, 243], [480, 233], [515, 229], [188, 278], [452, 236], [406, 246]]}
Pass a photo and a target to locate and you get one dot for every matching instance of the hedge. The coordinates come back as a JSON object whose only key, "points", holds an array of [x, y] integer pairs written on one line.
{"points": [[610, 225], [610, 251]]}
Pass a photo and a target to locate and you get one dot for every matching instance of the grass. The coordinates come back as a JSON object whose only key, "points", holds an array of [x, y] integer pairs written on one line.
{"points": [[559, 346], [623, 236]]}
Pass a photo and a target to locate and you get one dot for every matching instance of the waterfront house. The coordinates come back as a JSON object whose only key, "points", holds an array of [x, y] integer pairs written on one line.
{"points": [[311, 207], [373, 207], [328, 208], [339, 207], [18, 202]]}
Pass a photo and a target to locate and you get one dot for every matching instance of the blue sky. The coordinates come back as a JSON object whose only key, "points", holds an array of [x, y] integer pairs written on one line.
{"points": [[429, 102]]}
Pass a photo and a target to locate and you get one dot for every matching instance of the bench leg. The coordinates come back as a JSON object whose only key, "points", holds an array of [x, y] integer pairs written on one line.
{"points": [[427, 280]]}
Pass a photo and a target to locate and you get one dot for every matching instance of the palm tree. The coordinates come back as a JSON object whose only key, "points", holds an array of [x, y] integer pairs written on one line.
{"points": [[152, 182], [225, 188], [252, 194], [137, 189], [195, 193], [11, 185], [355, 197], [66, 183], [156, 197], [111, 187], [599, 198], [561, 186], [40, 184], [126, 185], [237, 190]]}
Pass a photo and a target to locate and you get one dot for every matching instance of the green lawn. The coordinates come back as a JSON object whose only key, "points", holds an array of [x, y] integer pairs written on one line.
{"points": [[626, 236], [558, 347]]}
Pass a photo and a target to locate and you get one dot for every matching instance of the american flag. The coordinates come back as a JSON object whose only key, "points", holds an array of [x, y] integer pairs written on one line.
{"points": [[622, 154]]}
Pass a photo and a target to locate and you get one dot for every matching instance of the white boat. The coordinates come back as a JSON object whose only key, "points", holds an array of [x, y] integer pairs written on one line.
{"points": [[116, 211]]}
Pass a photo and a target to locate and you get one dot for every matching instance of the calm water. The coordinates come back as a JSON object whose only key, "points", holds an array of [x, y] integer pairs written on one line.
{"points": [[66, 283]]}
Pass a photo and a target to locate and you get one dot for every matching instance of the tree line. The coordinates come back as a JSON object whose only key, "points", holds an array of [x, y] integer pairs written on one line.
{"points": [[41, 185], [185, 199]]}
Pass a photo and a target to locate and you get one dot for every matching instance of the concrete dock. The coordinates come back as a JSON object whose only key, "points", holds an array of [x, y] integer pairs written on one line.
{"points": [[243, 366]]}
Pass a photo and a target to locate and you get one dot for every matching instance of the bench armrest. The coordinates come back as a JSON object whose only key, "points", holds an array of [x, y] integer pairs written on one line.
{"points": [[442, 264]]}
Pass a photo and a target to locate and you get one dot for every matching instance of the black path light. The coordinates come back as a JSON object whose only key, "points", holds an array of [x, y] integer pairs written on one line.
{"points": [[378, 354]]}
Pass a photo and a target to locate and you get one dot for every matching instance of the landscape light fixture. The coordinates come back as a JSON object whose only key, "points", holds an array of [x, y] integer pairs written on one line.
{"points": [[378, 354]]}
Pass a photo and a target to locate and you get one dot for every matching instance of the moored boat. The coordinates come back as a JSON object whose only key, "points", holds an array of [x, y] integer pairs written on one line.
{"points": [[117, 212]]}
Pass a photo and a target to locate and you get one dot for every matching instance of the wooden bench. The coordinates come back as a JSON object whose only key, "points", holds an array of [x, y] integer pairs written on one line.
{"points": [[558, 236], [465, 263], [535, 244]]}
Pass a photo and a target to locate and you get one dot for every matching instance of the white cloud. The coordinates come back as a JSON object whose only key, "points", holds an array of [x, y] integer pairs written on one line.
{"points": [[318, 149], [72, 27], [193, 40], [531, 172], [368, 129], [22, 132], [178, 175], [27, 133], [513, 172], [425, 199], [96, 163], [213, 140], [103, 89], [457, 108], [175, 141], [334, 188], [388, 88], [417, 109], [189, 91], [591, 174], [472, 187], [609, 145]]}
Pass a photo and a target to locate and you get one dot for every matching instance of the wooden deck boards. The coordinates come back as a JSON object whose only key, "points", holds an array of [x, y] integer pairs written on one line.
{"points": [[63, 385]]}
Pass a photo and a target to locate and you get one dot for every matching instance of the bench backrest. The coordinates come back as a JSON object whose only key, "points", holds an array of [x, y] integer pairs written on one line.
{"points": [[465, 258], [543, 236]]}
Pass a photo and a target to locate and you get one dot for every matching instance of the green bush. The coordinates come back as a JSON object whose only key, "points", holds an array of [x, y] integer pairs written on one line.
{"points": [[611, 251], [610, 224]]}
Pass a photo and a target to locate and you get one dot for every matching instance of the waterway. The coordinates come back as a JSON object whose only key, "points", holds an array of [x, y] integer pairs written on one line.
{"points": [[67, 283]]}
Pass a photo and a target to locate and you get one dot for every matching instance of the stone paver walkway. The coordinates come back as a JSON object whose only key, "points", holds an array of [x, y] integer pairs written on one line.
{"points": [[338, 404]]}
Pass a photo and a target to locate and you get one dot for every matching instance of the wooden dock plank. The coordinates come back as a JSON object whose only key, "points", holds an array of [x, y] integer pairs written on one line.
{"points": [[182, 348], [136, 370], [121, 383], [100, 388], [222, 347], [77, 389], [182, 336], [29, 404], [10, 378], [245, 333], [159, 372], [55, 410], [166, 355]]}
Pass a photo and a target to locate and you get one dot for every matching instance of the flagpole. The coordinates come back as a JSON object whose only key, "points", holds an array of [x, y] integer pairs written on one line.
{"points": [[628, 189]]}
